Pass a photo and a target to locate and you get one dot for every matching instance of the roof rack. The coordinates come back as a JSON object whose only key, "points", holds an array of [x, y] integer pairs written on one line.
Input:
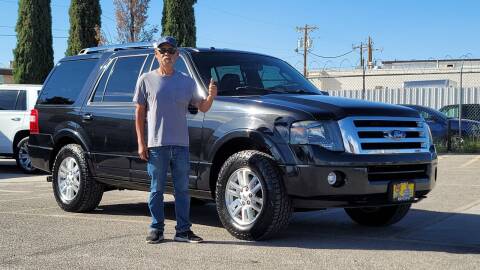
{"points": [[116, 47]]}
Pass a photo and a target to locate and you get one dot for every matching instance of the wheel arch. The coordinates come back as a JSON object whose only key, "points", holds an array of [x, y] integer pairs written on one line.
{"points": [[236, 141], [18, 137], [64, 137]]}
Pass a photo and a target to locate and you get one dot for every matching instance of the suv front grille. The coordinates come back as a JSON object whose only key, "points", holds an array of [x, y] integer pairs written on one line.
{"points": [[397, 172], [381, 135]]}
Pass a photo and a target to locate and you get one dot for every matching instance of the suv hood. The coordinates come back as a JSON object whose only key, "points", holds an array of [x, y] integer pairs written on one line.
{"points": [[335, 108]]}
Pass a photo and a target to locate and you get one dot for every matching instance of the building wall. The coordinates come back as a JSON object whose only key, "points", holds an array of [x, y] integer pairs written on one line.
{"points": [[6, 79], [390, 78]]}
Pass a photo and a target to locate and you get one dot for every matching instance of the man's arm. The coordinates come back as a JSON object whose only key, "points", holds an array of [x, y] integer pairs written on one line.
{"points": [[206, 104], [140, 112]]}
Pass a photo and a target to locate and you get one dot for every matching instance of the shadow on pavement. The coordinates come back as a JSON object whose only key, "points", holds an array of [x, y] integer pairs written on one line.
{"points": [[420, 230], [9, 170]]}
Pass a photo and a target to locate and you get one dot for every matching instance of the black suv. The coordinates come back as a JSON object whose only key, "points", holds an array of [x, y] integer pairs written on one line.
{"points": [[271, 143]]}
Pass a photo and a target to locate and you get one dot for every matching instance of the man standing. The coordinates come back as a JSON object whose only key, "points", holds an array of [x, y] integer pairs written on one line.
{"points": [[162, 97]]}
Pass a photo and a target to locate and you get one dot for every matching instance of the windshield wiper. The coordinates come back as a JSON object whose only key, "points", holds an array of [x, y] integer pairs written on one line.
{"points": [[252, 88], [301, 91]]}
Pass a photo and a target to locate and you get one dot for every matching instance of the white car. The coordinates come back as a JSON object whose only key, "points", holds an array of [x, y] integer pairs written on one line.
{"points": [[16, 101]]}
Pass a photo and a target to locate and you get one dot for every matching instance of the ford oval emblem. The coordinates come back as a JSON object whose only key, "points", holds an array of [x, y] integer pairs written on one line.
{"points": [[395, 134]]}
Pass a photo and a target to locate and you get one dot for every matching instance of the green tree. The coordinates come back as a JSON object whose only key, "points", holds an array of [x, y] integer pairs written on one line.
{"points": [[178, 20], [84, 25], [33, 55]]}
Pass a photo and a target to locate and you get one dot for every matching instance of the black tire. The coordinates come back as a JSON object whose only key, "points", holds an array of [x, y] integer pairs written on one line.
{"points": [[89, 192], [277, 206], [23, 162], [378, 216]]}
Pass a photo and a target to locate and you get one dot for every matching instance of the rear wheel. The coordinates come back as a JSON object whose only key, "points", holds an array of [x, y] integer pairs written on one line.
{"points": [[252, 202], [378, 216], [23, 158], [74, 189]]}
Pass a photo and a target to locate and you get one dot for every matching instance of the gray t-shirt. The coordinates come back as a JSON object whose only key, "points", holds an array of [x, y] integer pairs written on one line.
{"points": [[166, 99]]}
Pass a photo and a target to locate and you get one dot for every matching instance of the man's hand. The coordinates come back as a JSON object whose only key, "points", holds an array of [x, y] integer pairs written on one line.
{"points": [[143, 152], [212, 88], [205, 105]]}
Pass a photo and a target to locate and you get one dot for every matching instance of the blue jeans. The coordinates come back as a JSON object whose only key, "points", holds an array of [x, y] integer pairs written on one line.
{"points": [[160, 159]]}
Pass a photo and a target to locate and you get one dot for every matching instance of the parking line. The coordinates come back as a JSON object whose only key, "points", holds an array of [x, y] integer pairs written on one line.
{"points": [[14, 191], [25, 199], [78, 216], [56, 206], [470, 162]]}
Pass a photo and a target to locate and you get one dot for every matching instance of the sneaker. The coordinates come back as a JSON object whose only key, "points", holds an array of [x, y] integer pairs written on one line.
{"points": [[188, 237], [154, 237]]}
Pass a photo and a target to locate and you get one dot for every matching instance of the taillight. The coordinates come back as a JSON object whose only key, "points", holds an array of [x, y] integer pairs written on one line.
{"points": [[34, 128]]}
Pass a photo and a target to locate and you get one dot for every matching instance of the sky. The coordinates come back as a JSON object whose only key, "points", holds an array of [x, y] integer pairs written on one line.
{"points": [[400, 29]]}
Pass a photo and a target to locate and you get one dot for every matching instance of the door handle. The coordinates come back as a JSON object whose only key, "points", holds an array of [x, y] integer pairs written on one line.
{"points": [[16, 119], [88, 117]]}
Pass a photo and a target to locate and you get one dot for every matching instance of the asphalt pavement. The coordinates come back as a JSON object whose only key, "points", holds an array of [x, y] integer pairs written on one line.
{"points": [[440, 232]]}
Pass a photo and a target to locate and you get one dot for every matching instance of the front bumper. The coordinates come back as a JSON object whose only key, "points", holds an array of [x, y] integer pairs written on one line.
{"points": [[368, 178]]}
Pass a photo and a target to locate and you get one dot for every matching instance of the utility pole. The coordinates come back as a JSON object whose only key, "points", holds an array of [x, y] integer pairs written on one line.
{"points": [[362, 65], [307, 43], [370, 52], [369, 48]]}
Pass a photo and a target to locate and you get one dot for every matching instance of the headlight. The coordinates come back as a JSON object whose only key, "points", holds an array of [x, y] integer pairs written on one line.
{"points": [[324, 133]]}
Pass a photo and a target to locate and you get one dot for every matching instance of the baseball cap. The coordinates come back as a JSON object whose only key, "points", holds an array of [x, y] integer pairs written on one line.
{"points": [[165, 40]]}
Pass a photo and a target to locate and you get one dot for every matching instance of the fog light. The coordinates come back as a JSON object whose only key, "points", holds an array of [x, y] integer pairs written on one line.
{"points": [[336, 179]]}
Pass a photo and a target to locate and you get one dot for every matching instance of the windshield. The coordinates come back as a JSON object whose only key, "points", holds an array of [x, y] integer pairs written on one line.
{"points": [[240, 74], [430, 114]]}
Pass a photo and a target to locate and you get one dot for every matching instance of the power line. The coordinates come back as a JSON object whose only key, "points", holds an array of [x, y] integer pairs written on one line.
{"points": [[13, 35], [53, 29], [330, 57]]}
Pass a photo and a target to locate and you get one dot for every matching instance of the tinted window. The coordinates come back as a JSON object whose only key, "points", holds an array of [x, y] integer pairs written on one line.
{"points": [[21, 101], [179, 65], [100, 89], [8, 99], [250, 74], [273, 77], [450, 111], [122, 81], [66, 82]]}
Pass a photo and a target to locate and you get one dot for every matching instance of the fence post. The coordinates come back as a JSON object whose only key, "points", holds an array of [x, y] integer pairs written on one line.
{"points": [[449, 136]]}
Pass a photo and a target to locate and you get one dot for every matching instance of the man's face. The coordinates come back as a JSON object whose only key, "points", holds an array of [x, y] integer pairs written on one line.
{"points": [[166, 55]]}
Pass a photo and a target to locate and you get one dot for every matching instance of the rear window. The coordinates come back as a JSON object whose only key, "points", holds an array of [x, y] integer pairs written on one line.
{"points": [[8, 99], [66, 82]]}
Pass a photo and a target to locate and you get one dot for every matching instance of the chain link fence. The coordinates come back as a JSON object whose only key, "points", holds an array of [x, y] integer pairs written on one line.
{"points": [[447, 95]]}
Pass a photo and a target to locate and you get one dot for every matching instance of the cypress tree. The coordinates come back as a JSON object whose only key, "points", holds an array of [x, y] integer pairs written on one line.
{"points": [[178, 20], [84, 25], [33, 55]]}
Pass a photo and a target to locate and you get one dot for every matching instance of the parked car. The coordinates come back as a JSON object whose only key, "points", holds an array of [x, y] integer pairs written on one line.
{"points": [[270, 144], [439, 123], [16, 101], [469, 111]]}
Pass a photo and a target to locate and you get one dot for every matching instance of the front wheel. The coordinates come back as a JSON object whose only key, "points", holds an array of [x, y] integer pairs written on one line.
{"points": [[252, 202], [74, 189], [378, 216], [23, 158]]}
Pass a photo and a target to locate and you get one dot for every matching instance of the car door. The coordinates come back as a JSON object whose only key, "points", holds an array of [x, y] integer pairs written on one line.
{"points": [[12, 115], [194, 120], [108, 116]]}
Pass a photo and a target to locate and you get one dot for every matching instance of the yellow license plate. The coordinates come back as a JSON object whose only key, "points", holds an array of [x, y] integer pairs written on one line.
{"points": [[404, 191]]}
